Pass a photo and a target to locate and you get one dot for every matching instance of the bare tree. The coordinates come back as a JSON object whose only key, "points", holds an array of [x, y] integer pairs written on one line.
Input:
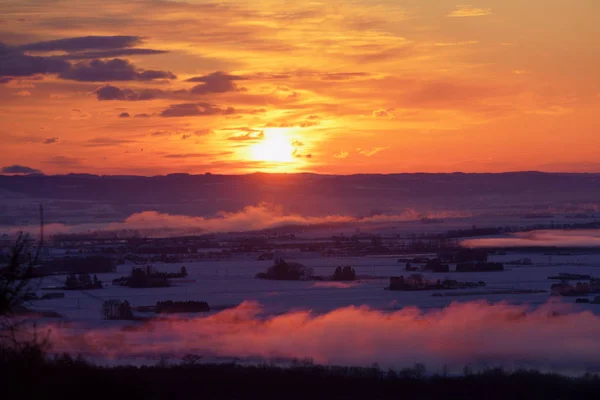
{"points": [[16, 281]]}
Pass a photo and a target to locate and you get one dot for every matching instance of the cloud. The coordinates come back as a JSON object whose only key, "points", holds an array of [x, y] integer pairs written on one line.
{"points": [[50, 140], [15, 63], [109, 92], [195, 109], [124, 115], [108, 142], [453, 44], [19, 169], [116, 69], [541, 238], [312, 120], [341, 155], [199, 132], [83, 43], [342, 76], [22, 93], [371, 152], [474, 333], [217, 82], [382, 113], [199, 155], [112, 53], [297, 145], [63, 161], [77, 114], [469, 11], [252, 135], [250, 218]]}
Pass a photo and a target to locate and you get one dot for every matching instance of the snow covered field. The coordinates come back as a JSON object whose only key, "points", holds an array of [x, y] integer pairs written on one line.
{"points": [[229, 283], [326, 321]]}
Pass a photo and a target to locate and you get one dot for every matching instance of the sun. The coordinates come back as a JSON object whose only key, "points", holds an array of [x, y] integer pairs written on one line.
{"points": [[275, 147]]}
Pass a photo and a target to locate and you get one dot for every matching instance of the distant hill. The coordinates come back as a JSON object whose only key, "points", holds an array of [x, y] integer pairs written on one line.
{"points": [[116, 197]]}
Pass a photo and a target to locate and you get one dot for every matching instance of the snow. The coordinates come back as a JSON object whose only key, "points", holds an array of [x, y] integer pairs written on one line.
{"points": [[229, 283]]}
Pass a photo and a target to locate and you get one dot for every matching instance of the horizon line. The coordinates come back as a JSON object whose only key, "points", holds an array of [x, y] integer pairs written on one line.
{"points": [[84, 174]]}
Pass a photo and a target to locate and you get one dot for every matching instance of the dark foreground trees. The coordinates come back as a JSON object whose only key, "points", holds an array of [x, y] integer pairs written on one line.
{"points": [[16, 285], [71, 378]]}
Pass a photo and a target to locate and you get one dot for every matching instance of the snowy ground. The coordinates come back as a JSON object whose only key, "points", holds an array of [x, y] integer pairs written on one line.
{"points": [[228, 283]]}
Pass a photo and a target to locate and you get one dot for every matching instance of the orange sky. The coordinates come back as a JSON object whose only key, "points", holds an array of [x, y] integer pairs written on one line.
{"points": [[287, 86]]}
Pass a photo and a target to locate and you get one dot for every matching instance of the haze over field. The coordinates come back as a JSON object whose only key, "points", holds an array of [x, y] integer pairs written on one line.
{"points": [[259, 201], [472, 333]]}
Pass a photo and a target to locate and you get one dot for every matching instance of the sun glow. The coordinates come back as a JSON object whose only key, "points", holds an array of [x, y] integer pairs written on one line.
{"points": [[275, 147]]}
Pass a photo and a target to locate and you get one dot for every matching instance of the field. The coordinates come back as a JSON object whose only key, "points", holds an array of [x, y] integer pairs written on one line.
{"points": [[348, 323]]}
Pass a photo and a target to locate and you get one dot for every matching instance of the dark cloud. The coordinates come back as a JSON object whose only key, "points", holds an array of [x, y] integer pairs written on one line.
{"points": [[111, 53], [19, 169], [150, 75], [142, 115], [217, 82], [15, 63], [50, 140], [110, 92], [107, 142], [195, 109], [83, 43], [116, 69], [214, 75], [124, 115], [5, 79]]}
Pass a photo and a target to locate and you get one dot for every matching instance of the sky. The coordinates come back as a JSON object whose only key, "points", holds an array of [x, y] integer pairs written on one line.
{"points": [[153, 87]]}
